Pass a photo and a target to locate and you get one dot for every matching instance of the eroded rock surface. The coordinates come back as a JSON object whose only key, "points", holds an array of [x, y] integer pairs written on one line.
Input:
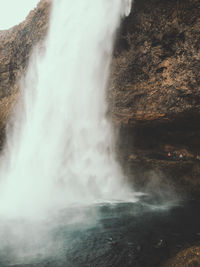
{"points": [[187, 258], [154, 92], [16, 45], [157, 61]]}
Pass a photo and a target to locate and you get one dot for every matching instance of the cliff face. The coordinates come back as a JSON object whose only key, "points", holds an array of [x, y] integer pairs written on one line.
{"points": [[16, 45], [154, 92], [157, 62]]}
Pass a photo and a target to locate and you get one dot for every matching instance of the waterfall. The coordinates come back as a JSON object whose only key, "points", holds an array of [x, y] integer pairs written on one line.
{"points": [[60, 148]]}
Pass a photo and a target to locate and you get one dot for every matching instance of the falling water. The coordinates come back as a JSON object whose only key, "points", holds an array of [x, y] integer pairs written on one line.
{"points": [[61, 151]]}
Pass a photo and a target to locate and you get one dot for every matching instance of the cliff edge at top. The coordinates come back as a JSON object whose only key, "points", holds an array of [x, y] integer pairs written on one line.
{"points": [[16, 45], [154, 90]]}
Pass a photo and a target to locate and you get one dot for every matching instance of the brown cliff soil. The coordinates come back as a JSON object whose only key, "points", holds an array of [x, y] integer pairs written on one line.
{"points": [[155, 92], [16, 45], [187, 258]]}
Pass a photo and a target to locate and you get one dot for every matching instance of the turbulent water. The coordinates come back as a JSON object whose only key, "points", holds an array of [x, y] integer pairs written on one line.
{"points": [[60, 146]]}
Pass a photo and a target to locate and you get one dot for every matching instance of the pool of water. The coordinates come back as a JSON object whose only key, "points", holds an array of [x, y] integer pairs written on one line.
{"points": [[120, 234]]}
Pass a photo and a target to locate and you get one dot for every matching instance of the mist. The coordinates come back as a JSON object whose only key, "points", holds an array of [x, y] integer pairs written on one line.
{"points": [[59, 151]]}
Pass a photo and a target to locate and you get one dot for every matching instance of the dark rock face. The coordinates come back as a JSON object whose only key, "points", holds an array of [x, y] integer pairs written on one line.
{"points": [[157, 61], [154, 94], [155, 91]]}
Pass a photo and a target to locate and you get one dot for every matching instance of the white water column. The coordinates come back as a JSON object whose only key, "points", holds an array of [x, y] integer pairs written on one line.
{"points": [[60, 150]]}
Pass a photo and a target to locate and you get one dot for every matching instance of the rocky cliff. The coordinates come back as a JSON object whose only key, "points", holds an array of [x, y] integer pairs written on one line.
{"points": [[16, 45], [154, 92]]}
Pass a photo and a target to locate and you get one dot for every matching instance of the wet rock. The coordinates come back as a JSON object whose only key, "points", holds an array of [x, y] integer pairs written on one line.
{"points": [[189, 258], [179, 246], [161, 243]]}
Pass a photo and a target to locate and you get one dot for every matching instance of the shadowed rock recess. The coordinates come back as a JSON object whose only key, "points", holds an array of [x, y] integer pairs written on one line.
{"points": [[154, 92]]}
